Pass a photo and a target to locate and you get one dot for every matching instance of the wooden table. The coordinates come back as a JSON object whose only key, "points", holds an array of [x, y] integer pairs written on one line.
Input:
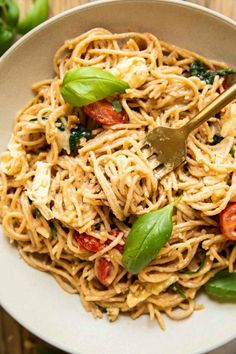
{"points": [[14, 339]]}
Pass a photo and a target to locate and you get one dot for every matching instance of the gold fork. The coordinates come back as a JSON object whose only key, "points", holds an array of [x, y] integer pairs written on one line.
{"points": [[170, 144]]}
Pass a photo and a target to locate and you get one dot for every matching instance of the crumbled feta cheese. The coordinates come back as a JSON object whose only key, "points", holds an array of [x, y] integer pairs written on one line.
{"points": [[132, 70], [39, 190]]}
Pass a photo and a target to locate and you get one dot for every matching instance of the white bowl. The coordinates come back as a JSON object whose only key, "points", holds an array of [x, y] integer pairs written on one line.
{"points": [[34, 299]]}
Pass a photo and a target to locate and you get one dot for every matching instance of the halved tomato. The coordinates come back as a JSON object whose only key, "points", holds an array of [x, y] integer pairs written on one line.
{"points": [[88, 242], [228, 221], [103, 112]]}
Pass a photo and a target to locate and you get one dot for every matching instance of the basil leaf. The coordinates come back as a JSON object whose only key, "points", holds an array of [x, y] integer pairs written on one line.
{"points": [[217, 139], [222, 286], [117, 106], [82, 86], [9, 12], [77, 134], [6, 37], [147, 236], [36, 15], [178, 289]]}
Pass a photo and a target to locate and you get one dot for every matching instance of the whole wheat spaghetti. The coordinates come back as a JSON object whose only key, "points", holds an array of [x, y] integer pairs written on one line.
{"points": [[50, 195]]}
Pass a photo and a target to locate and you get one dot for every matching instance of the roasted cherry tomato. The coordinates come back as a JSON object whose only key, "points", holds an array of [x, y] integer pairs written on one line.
{"points": [[92, 244], [104, 113], [228, 221], [88, 242], [104, 270]]}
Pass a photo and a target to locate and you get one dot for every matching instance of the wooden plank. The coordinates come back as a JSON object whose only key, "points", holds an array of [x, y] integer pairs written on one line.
{"points": [[11, 335], [13, 338]]}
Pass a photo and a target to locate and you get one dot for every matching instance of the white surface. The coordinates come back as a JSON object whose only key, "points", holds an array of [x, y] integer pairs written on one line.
{"points": [[34, 298]]}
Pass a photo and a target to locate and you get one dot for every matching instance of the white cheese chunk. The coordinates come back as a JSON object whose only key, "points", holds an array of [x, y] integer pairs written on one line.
{"points": [[39, 190], [132, 70]]}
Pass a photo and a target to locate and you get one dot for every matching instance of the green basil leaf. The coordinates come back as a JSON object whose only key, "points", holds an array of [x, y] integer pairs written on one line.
{"points": [[222, 286], [147, 236], [36, 15], [117, 106], [77, 134], [82, 86], [9, 12], [6, 37]]}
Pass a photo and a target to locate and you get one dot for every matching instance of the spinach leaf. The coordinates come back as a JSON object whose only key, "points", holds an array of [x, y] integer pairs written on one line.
{"points": [[222, 286], [36, 15], [197, 68], [9, 12], [61, 127], [85, 85], [232, 151], [202, 263], [53, 229], [217, 139], [77, 134], [178, 289], [147, 236]]}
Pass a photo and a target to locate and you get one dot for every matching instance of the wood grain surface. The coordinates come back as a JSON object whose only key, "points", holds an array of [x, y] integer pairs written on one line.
{"points": [[14, 339]]}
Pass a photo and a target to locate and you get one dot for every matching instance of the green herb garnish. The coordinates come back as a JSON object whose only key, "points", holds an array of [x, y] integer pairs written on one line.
{"points": [[61, 127], [178, 289], [38, 213], [197, 68], [202, 263], [217, 139], [77, 134], [232, 151], [147, 236], [85, 85], [222, 286], [53, 229], [117, 106]]}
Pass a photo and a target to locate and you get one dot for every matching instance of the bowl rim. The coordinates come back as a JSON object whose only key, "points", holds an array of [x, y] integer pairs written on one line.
{"points": [[95, 3], [56, 18]]}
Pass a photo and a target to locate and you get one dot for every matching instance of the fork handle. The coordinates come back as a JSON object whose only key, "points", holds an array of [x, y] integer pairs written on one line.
{"points": [[210, 110]]}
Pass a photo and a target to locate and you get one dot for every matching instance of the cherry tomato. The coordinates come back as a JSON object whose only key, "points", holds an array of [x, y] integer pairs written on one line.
{"points": [[88, 242], [92, 244], [104, 270], [104, 113], [228, 221]]}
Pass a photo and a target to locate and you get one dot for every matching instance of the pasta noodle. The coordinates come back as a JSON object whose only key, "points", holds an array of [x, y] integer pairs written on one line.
{"points": [[47, 192]]}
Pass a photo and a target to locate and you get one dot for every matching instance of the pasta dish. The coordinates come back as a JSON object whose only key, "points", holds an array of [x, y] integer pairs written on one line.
{"points": [[76, 176]]}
